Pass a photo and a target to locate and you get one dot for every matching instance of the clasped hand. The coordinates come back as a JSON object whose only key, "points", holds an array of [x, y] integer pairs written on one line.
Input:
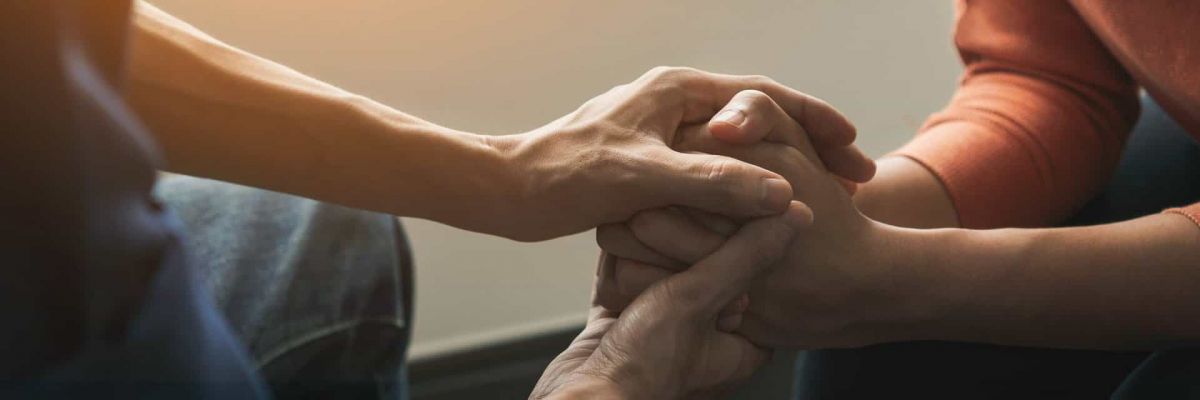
{"points": [[821, 285], [618, 154]]}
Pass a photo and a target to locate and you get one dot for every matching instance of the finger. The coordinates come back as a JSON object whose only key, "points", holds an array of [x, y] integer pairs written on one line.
{"points": [[824, 123], [674, 235], [850, 187], [848, 162], [718, 184], [708, 285], [702, 94], [751, 116], [634, 277], [717, 223], [771, 156], [743, 358], [851, 163], [730, 317], [619, 240], [604, 293]]}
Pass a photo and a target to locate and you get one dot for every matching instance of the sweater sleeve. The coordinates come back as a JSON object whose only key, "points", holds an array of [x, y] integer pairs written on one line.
{"points": [[1037, 124], [1192, 212]]}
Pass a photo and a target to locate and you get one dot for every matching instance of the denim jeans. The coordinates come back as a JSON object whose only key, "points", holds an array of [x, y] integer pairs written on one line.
{"points": [[318, 293], [1160, 168]]}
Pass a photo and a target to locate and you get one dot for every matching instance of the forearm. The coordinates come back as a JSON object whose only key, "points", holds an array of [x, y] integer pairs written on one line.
{"points": [[222, 113], [1128, 285], [905, 193]]}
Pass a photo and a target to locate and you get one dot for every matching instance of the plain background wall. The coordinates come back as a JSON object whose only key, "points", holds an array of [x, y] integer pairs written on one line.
{"points": [[494, 66]]}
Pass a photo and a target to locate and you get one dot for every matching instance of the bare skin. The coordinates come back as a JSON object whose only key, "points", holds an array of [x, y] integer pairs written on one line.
{"points": [[222, 113], [857, 277], [666, 344]]}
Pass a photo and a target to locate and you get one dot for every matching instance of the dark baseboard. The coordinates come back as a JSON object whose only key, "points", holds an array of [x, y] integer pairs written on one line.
{"points": [[505, 370]]}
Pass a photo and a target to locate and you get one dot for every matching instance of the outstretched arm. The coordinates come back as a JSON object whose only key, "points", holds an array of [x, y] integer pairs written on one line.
{"points": [[222, 113]]}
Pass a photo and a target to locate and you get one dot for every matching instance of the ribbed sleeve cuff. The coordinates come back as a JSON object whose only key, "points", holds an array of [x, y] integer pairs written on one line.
{"points": [[1192, 212], [999, 187]]}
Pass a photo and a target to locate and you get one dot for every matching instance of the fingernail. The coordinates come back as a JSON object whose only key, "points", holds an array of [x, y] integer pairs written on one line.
{"points": [[798, 214], [776, 193], [732, 116]]}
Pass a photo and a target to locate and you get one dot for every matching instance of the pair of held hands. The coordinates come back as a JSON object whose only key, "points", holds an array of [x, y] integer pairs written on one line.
{"points": [[725, 212]]}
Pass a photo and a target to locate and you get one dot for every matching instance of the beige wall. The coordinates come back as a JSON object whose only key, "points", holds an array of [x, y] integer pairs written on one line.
{"points": [[506, 66]]}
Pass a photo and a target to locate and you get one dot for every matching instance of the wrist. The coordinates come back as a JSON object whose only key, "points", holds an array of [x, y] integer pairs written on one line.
{"points": [[511, 168], [487, 189], [951, 277], [905, 193], [424, 170], [918, 291]]}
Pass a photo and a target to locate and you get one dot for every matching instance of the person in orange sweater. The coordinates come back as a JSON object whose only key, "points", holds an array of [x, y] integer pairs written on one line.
{"points": [[912, 274]]}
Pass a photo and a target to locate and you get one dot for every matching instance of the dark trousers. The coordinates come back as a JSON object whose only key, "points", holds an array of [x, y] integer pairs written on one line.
{"points": [[1160, 168]]}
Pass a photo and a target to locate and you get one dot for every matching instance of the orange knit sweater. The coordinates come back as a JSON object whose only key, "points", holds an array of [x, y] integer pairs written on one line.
{"points": [[1048, 96]]}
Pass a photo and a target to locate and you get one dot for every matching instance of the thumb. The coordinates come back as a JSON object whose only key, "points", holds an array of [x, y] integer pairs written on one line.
{"points": [[718, 279], [721, 185], [749, 117]]}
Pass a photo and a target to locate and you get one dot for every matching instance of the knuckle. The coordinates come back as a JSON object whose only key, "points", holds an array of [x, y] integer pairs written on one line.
{"points": [[757, 100], [755, 95], [667, 93], [665, 73], [658, 71], [718, 170], [678, 72], [722, 174], [761, 81], [730, 174], [673, 78]]}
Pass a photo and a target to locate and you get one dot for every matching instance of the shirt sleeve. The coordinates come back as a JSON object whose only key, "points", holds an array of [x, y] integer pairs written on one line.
{"points": [[1192, 212], [1037, 124]]}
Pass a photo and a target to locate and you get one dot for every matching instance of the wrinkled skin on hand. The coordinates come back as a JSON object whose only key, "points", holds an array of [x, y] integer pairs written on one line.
{"points": [[666, 344]]}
